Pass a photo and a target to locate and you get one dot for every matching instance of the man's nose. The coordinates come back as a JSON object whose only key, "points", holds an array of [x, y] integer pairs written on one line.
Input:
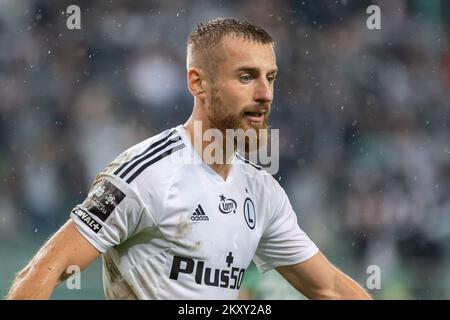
{"points": [[264, 92]]}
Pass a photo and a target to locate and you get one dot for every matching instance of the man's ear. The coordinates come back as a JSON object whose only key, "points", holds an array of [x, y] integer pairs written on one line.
{"points": [[196, 81]]}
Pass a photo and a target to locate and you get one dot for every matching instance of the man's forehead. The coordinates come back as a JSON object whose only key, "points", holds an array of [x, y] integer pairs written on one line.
{"points": [[236, 49]]}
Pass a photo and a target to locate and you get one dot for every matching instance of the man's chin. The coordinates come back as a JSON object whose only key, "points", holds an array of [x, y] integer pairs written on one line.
{"points": [[254, 128], [253, 125], [256, 137]]}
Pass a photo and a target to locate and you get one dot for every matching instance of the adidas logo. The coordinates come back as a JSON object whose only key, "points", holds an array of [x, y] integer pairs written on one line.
{"points": [[199, 214]]}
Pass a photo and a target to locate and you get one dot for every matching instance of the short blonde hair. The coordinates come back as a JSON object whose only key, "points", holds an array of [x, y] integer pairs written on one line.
{"points": [[204, 40]]}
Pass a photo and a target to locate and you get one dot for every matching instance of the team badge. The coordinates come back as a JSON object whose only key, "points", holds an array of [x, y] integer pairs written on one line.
{"points": [[249, 213]]}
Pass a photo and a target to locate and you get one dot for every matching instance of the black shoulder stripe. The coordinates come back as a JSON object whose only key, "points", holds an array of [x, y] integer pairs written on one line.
{"points": [[159, 157], [248, 162], [153, 145], [154, 151]]}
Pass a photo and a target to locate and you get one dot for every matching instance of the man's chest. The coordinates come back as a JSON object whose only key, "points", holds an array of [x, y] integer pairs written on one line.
{"points": [[212, 221]]}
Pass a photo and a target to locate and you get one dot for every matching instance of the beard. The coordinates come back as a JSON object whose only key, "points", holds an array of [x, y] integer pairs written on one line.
{"points": [[222, 118]]}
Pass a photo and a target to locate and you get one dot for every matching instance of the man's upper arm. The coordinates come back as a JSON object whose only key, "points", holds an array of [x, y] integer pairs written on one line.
{"points": [[311, 276], [49, 266], [317, 278], [67, 247]]}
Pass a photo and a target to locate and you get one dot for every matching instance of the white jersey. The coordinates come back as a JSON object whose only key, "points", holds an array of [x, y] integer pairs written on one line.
{"points": [[171, 229]]}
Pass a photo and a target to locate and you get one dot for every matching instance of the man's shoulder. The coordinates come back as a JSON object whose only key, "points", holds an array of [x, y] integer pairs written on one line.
{"points": [[259, 176], [131, 165], [157, 140], [252, 170]]}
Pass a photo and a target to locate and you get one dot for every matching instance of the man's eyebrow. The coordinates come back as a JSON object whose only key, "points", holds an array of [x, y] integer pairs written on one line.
{"points": [[254, 70]]}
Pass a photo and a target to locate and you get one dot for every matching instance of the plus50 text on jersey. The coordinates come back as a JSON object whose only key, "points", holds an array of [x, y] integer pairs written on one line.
{"points": [[224, 278]]}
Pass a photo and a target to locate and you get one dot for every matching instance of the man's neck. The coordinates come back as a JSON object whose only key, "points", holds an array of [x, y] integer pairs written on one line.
{"points": [[196, 134]]}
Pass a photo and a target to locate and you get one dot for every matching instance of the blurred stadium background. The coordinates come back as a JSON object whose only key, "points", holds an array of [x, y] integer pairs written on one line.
{"points": [[363, 118]]}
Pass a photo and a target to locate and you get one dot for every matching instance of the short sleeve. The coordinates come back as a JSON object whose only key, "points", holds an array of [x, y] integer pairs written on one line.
{"points": [[111, 213], [282, 242]]}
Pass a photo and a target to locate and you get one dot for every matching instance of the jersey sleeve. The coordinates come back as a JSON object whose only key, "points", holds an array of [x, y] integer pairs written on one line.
{"points": [[282, 242], [111, 213]]}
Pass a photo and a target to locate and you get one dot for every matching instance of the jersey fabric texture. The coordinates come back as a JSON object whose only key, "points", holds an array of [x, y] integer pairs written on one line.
{"points": [[169, 227]]}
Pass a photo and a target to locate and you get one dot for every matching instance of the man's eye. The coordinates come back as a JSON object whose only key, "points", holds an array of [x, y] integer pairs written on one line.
{"points": [[271, 79], [246, 78]]}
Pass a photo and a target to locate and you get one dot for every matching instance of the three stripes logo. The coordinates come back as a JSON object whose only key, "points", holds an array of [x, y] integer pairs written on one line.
{"points": [[199, 214], [169, 143]]}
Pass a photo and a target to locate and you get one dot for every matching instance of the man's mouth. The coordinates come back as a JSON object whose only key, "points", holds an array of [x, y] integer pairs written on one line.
{"points": [[254, 116]]}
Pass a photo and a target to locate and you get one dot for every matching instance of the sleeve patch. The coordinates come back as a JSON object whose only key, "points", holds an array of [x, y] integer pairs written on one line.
{"points": [[87, 219], [104, 199]]}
